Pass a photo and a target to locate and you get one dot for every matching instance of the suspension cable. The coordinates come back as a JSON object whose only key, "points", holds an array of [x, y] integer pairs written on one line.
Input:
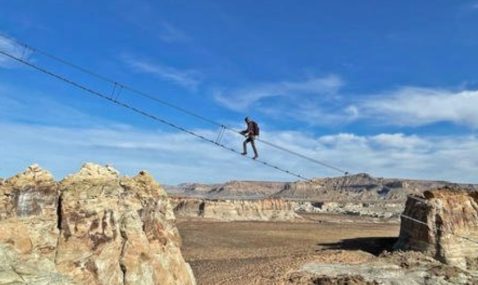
{"points": [[141, 112], [172, 125], [164, 102], [439, 228]]}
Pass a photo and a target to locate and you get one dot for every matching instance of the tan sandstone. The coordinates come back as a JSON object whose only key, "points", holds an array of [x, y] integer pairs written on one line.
{"points": [[236, 210], [444, 225], [102, 229]]}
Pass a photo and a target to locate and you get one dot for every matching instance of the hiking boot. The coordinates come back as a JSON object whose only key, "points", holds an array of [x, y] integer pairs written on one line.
{"points": [[243, 153], [255, 156]]}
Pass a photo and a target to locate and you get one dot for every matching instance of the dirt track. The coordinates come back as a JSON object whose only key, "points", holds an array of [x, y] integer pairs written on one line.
{"points": [[265, 252]]}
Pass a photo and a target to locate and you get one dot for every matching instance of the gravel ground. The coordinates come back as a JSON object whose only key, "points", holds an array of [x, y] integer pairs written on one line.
{"points": [[270, 252]]}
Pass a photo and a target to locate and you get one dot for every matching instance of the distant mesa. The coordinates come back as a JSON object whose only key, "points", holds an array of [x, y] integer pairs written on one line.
{"points": [[360, 187]]}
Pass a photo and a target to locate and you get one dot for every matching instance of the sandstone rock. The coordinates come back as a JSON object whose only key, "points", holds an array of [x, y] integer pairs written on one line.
{"points": [[102, 229], [236, 210], [31, 193], [444, 225], [375, 210], [28, 229], [383, 272]]}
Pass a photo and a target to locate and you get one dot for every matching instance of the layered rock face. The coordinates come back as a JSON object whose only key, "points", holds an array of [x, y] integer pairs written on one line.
{"points": [[444, 225], [374, 210], [228, 190], [29, 229], [94, 227], [359, 187], [236, 210]]}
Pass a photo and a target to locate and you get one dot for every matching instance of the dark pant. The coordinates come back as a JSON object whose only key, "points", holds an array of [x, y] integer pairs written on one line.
{"points": [[250, 139]]}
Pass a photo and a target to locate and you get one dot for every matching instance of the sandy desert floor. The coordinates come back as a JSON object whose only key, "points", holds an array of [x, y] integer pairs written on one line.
{"points": [[267, 252]]}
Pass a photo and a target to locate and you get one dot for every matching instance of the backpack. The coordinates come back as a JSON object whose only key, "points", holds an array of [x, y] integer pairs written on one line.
{"points": [[255, 128]]}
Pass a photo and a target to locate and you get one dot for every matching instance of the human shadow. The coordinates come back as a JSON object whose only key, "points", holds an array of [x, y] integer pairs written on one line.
{"points": [[373, 245]]}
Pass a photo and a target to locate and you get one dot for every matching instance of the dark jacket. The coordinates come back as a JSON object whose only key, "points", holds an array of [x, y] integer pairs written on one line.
{"points": [[250, 129]]}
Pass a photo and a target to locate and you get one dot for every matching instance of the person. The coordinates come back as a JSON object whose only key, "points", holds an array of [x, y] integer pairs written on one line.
{"points": [[251, 133]]}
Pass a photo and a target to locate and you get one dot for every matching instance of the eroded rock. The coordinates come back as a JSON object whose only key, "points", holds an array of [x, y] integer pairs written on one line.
{"points": [[444, 225], [29, 229], [102, 229], [236, 210]]}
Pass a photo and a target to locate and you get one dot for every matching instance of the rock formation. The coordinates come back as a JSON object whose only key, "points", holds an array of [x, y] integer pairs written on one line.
{"points": [[236, 210], [444, 225], [374, 210], [29, 229], [228, 190], [397, 268], [94, 227], [353, 188]]}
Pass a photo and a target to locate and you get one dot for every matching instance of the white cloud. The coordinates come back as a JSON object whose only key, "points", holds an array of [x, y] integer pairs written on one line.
{"points": [[172, 157], [38, 107], [189, 79], [172, 34], [312, 100], [243, 99], [411, 106], [398, 155], [318, 101], [399, 141], [179, 157], [12, 48]]}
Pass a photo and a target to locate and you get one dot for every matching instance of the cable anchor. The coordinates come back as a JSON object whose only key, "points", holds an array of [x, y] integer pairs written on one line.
{"points": [[116, 92], [220, 135]]}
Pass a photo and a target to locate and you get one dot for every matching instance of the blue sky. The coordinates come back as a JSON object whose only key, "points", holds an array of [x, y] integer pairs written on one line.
{"points": [[384, 87]]}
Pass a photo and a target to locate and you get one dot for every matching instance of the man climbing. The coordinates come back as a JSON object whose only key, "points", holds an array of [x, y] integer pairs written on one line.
{"points": [[251, 133]]}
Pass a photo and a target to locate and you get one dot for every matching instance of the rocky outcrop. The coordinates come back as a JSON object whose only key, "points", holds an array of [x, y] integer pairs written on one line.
{"points": [[375, 210], [444, 225], [29, 229], [236, 210], [94, 227], [397, 268]]}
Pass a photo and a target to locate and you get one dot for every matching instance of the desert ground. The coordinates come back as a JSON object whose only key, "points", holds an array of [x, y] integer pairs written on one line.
{"points": [[268, 252]]}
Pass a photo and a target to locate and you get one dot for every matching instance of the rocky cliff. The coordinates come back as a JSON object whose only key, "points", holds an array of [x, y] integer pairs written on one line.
{"points": [[444, 225], [94, 227], [236, 210]]}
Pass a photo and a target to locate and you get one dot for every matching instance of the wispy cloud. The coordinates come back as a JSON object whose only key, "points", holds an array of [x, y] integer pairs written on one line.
{"points": [[412, 106], [300, 100], [39, 108], [319, 101], [189, 79], [177, 157], [473, 6], [65, 138], [437, 158], [245, 98], [172, 34]]}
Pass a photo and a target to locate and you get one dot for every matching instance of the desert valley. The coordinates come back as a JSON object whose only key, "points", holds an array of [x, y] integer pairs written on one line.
{"points": [[99, 227]]}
